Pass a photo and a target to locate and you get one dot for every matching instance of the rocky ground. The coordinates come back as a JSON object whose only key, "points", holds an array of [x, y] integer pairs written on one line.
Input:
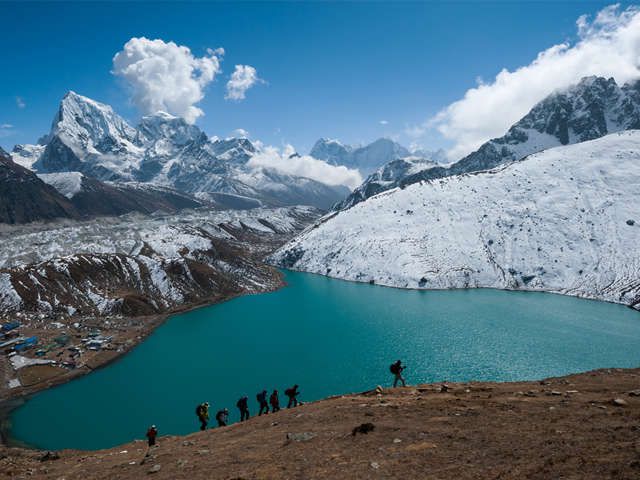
{"points": [[583, 426]]}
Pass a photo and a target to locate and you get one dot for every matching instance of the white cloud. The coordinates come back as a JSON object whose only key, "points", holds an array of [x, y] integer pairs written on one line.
{"points": [[242, 79], [383, 122], [20, 102], [608, 45], [305, 166], [6, 130], [240, 132], [165, 76]]}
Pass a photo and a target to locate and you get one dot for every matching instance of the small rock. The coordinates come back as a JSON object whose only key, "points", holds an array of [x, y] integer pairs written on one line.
{"points": [[397, 440], [572, 391], [49, 456], [634, 393], [132, 463], [555, 393], [273, 424], [187, 443], [619, 402], [375, 465], [300, 437], [204, 452], [182, 463], [155, 468], [363, 428], [631, 223]]}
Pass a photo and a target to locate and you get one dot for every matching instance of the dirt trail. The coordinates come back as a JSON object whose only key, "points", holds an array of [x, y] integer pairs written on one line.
{"points": [[566, 427]]}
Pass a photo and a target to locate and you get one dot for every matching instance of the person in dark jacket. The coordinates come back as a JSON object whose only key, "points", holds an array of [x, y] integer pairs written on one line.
{"points": [[262, 401], [222, 417], [292, 393], [397, 368], [202, 412], [152, 433], [274, 401], [243, 406]]}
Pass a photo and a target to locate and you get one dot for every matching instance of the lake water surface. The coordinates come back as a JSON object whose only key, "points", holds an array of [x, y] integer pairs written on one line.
{"points": [[330, 337]]}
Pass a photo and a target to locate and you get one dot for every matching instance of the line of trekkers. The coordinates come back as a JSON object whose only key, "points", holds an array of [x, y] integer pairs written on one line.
{"points": [[222, 416]]}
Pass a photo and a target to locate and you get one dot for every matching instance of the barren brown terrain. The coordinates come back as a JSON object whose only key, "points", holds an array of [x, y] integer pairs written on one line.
{"points": [[584, 426]]}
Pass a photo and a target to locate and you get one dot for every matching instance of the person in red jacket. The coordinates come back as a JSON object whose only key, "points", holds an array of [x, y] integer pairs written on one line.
{"points": [[152, 433]]}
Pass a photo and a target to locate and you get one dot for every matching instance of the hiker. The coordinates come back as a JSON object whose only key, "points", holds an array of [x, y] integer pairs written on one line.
{"points": [[262, 401], [397, 368], [274, 401], [152, 433], [243, 406], [292, 393], [202, 411], [222, 417]]}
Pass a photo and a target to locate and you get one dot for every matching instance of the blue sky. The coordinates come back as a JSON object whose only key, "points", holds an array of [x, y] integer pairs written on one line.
{"points": [[330, 69]]}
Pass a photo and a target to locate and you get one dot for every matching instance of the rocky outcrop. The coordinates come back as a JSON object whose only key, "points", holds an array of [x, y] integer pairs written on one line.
{"points": [[25, 198]]}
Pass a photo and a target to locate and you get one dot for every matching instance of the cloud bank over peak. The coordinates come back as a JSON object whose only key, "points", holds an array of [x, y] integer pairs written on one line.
{"points": [[164, 76], [608, 45], [287, 161], [242, 79]]}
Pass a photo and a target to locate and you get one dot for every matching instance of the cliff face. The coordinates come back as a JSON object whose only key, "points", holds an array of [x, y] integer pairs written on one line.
{"points": [[25, 198], [566, 427]]}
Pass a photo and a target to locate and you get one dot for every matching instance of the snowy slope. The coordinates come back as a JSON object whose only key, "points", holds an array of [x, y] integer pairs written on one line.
{"points": [[564, 220], [139, 265], [67, 183], [590, 109]]}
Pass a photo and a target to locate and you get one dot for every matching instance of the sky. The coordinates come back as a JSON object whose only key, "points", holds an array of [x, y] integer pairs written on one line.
{"points": [[427, 74]]}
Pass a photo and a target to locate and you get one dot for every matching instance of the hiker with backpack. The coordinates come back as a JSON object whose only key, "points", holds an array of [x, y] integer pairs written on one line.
{"points": [[274, 401], [222, 417], [292, 393], [152, 433], [243, 406], [202, 412], [262, 401], [396, 368]]}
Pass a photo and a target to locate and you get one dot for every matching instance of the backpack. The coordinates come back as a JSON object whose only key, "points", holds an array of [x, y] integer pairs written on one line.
{"points": [[394, 368], [199, 410]]}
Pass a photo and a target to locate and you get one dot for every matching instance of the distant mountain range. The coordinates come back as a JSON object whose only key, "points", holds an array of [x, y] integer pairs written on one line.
{"points": [[594, 107], [164, 155]]}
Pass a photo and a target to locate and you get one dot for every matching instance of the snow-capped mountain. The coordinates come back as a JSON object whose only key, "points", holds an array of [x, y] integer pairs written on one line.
{"points": [[366, 159], [590, 109], [90, 138], [564, 220], [386, 177], [26, 198]]}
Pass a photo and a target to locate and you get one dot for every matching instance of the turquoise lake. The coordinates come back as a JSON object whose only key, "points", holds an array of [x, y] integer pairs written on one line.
{"points": [[330, 337]]}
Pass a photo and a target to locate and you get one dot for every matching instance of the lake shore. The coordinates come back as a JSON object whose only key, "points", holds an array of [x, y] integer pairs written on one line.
{"points": [[11, 399], [577, 426]]}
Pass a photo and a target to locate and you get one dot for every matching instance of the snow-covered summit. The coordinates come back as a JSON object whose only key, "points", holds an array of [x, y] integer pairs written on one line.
{"points": [[594, 107], [590, 109], [162, 150], [563, 220], [366, 158]]}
